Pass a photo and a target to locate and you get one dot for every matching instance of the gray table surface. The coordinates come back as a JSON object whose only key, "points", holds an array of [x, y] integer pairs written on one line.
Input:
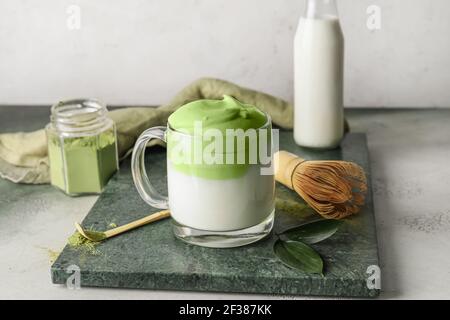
{"points": [[409, 152]]}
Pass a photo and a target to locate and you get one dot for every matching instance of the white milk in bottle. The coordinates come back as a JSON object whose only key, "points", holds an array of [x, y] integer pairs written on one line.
{"points": [[318, 77]]}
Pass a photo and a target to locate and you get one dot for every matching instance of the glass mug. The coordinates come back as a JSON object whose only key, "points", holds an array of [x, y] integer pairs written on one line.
{"points": [[217, 205]]}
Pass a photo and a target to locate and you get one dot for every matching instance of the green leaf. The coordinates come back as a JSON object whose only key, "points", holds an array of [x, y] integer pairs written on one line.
{"points": [[313, 232], [299, 256]]}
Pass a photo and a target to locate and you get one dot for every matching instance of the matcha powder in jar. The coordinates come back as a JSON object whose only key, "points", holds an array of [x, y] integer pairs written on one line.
{"points": [[82, 146]]}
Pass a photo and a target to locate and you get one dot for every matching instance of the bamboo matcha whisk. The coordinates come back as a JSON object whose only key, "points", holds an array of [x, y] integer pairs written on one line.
{"points": [[335, 189]]}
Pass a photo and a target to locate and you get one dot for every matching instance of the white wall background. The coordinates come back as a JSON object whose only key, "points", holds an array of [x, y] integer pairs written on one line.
{"points": [[144, 51]]}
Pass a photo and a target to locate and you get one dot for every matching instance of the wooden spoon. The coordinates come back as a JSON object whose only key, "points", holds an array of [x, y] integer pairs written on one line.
{"points": [[97, 236]]}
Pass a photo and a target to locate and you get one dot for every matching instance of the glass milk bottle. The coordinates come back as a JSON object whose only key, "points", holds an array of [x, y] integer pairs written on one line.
{"points": [[318, 77]]}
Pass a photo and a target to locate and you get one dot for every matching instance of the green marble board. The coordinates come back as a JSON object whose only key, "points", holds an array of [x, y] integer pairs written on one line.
{"points": [[152, 258]]}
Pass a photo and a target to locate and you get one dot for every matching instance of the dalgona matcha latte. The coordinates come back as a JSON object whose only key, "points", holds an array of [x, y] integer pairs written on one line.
{"points": [[221, 188]]}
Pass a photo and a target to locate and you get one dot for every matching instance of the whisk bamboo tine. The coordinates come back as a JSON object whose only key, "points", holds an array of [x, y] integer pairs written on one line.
{"points": [[333, 188]]}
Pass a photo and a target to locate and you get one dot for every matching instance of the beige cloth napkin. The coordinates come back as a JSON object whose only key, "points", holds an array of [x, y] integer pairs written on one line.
{"points": [[23, 155]]}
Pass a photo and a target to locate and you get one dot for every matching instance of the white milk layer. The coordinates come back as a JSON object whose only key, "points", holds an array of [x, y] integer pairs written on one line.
{"points": [[318, 83], [220, 205]]}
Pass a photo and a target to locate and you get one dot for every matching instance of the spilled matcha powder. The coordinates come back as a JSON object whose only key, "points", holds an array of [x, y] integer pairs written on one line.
{"points": [[52, 255], [78, 241], [290, 206]]}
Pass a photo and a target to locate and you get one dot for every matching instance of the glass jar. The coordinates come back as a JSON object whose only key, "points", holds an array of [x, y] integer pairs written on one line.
{"points": [[82, 146]]}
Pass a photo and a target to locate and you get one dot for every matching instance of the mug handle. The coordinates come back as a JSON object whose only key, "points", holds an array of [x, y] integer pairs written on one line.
{"points": [[146, 190]]}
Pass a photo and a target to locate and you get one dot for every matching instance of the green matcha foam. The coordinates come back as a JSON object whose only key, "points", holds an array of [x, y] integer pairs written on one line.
{"points": [[227, 113], [221, 122]]}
